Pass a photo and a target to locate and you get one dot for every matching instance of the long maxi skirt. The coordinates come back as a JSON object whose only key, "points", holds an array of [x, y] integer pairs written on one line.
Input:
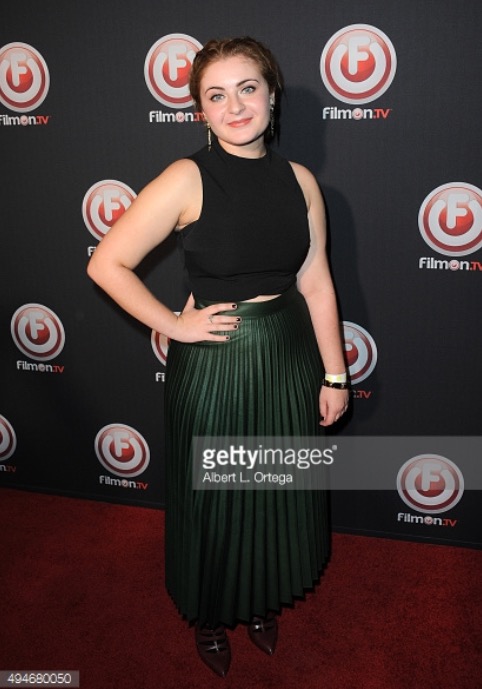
{"points": [[232, 554]]}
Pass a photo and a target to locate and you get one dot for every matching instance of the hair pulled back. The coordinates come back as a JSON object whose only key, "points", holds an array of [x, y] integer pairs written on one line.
{"points": [[220, 49]]}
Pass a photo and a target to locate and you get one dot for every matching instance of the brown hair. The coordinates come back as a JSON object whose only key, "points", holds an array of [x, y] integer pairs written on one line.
{"points": [[215, 50]]}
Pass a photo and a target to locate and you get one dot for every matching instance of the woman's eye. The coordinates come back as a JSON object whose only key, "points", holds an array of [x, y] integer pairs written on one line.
{"points": [[216, 97], [249, 89]]}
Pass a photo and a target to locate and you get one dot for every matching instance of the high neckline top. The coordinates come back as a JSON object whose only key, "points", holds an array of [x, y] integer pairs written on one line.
{"points": [[265, 159], [252, 234]]}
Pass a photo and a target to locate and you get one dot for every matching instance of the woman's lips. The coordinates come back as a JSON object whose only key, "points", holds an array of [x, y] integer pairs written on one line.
{"points": [[240, 123]]}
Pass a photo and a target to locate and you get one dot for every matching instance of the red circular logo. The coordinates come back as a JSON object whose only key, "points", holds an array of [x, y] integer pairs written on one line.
{"points": [[450, 219], [38, 332], [358, 64], [360, 352], [24, 77], [8, 439], [430, 483], [167, 67], [122, 450], [160, 344], [104, 203]]}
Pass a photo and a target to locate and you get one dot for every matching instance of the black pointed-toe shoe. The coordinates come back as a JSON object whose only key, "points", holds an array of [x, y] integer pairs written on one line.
{"points": [[263, 632], [213, 647]]}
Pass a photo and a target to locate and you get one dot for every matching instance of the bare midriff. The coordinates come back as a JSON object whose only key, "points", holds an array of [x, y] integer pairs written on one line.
{"points": [[263, 297]]}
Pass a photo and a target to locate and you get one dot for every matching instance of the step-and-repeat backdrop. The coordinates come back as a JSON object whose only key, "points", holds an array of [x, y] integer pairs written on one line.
{"points": [[382, 103]]}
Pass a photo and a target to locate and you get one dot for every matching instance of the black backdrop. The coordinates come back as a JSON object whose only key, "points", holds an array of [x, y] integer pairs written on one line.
{"points": [[399, 165]]}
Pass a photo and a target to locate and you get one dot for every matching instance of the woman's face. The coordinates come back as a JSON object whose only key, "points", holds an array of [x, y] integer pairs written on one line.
{"points": [[236, 102]]}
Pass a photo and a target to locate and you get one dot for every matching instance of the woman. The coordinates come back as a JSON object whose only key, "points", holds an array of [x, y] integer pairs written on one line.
{"points": [[248, 351]]}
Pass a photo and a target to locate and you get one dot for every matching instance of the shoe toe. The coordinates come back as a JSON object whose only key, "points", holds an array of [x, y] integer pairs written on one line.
{"points": [[263, 632], [214, 649]]}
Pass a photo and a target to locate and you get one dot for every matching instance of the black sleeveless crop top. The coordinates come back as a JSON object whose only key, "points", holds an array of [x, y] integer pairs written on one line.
{"points": [[252, 235]]}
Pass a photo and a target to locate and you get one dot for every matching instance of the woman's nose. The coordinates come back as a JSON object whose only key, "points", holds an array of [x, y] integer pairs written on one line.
{"points": [[236, 105]]}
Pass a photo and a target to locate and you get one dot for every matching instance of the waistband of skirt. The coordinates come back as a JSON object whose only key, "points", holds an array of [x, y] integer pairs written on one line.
{"points": [[256, 308]]}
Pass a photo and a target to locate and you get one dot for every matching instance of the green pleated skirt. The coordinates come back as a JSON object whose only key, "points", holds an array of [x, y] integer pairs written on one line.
{"points": [[232, 554]]}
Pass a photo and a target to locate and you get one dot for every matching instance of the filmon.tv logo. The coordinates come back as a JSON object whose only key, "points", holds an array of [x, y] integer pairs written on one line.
{"points": [[450, 222], [166, 71], [123, 451], [39, 334], [361, 355], [430, 484], [357, 66], [8, 440], [103, 205], [160, 346], [24, 84]]}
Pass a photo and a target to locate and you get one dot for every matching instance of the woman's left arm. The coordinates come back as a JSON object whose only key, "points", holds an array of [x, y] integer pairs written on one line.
{"points": [[316, 285]]}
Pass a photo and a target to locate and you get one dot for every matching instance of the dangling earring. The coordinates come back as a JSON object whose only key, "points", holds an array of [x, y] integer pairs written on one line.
{"points": [[208, 127], [271, 118]]}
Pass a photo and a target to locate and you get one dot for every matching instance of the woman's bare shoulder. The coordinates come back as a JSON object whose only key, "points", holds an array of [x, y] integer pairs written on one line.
{"points": [[176, 193], [182, 172], [303, 175], [308, 183]]}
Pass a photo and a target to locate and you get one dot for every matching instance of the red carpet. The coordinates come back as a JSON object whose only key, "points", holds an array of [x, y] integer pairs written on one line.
{"points": [[82, 589]]}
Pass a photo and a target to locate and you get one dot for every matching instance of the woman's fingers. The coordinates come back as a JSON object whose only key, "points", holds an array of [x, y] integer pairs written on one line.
{"points": [[197, 325], [218, 319], [216, 315]]}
